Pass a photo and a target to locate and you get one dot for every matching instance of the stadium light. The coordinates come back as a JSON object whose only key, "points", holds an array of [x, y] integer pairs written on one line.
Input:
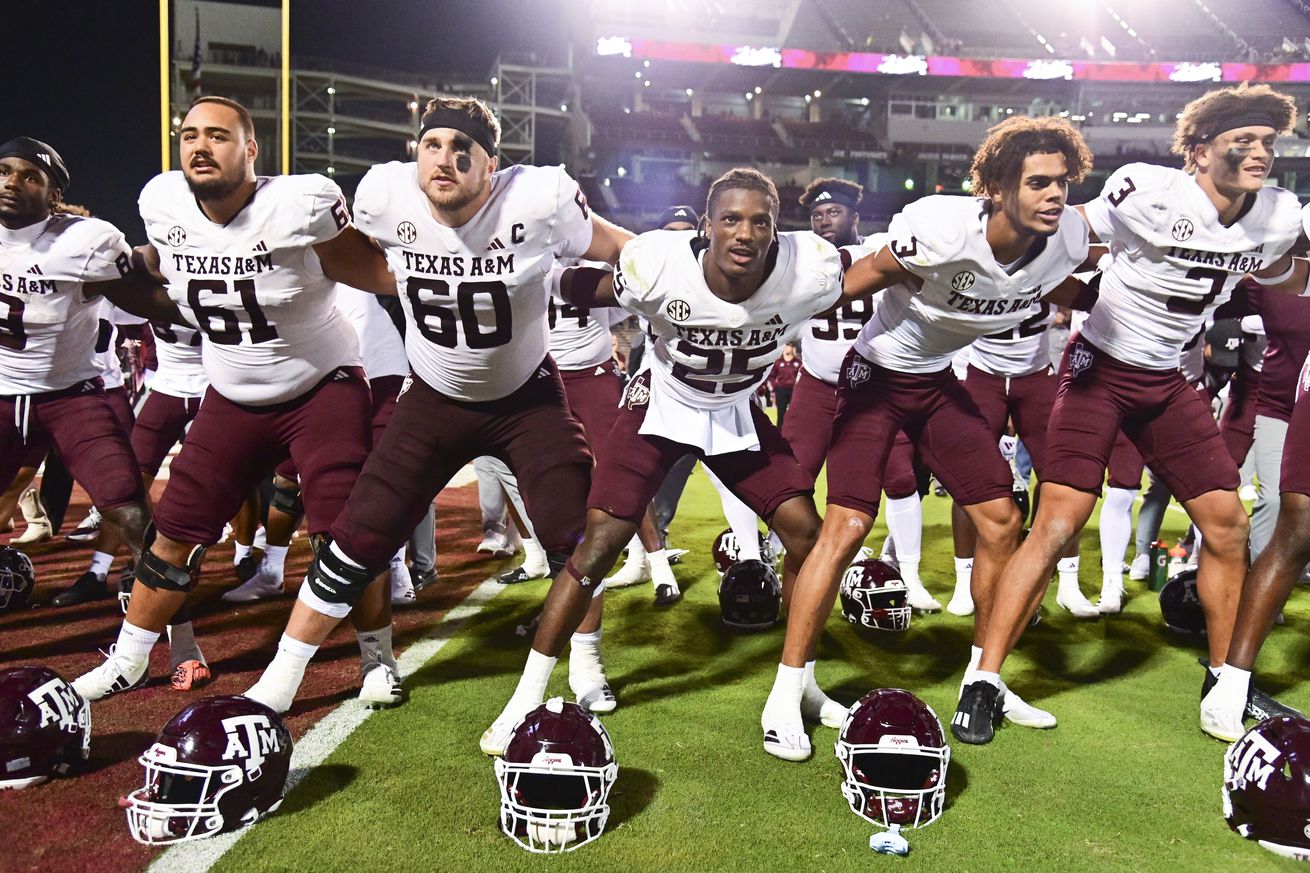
{"points": [[413, 104], [637, 74], [689, 92], [331, 90], [177, 119], [494, 81], [646, 83], [750, 96], [864, 101], [757, 89], [966, 185], [817, 93], [646, 64], [622, 171], [332, 131], [909, 184]]}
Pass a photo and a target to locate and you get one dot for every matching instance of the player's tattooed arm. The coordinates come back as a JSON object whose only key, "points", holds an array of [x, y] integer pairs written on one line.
{"points": [[587, 287], [140, 289], [355, 260], [607, 240]]}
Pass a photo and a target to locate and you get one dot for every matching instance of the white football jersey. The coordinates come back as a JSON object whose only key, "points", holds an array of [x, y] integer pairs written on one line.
{"points": [[966, 294], [1172, 262], [475, 295], [254, 285], [380, 344], [705, 351], [580, 336], [181, 370], [1019, 351], [48, 329], [825, 341]]}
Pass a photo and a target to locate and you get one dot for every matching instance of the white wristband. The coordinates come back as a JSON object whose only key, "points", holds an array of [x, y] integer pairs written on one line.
{"points": [[1279, 279]]}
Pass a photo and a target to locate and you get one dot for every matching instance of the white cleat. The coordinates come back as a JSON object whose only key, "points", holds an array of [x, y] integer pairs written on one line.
{"points": [[402, 585], [115, 675], [1140, 569], [593, 692], [381, 687], [961, 603], [497, 544], [786, 739], [817, 706], [1112, 597], [496, 738], [1221, 721], [1076, 603], [1020, 712], [276, 695], [633, 572], [920, 600], [261, 586]]}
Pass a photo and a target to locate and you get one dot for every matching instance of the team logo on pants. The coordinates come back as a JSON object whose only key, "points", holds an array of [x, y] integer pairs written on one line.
{"points": [[638, 394], [1079, 359], [858, 372]]}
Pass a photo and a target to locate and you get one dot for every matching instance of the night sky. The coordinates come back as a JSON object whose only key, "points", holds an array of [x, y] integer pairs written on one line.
{"points": [[84, 76]]}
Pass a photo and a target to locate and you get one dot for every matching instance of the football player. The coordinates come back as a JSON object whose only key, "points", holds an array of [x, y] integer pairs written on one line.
{"points": [[472, 248], [252, 261], [1179, 241], [54, 268], [955, 268], [719, 305]]}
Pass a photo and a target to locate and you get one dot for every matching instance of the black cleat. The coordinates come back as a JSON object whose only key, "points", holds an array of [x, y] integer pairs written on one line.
{"points": [[667, 595], [87, 588], [422, 579], [976, 716], [247, 567], [1260, 705], [515, 576]]}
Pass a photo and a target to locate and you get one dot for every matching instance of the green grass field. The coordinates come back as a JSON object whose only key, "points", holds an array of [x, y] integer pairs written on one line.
{"points": [[1126, 782]]}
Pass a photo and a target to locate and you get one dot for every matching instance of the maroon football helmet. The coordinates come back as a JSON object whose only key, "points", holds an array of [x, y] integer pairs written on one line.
{"points": [[1267, 786], [894, 755], [218, 765], [873, 595], [750, 595], [45, 726], [555, 778], [727, 553], [1180, 604], [17, 579]]}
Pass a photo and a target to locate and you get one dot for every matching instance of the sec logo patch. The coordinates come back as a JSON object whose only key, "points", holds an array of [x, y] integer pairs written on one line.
{"points": [[406, 232], [1183, 229], [678, 310], [176, 236], [962, 281]]}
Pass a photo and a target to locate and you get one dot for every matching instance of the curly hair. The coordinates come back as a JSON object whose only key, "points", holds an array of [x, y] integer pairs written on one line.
{"points": [[1213, 112], [999, 160], [473, 107], [748, 179], [850, 190]]}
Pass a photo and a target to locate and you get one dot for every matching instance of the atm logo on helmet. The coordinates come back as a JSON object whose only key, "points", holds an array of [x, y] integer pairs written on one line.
{"points": [[1254, 759], [58, 703], [251, 737]]}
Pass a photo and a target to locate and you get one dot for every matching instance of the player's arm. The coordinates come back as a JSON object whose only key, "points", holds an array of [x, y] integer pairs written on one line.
{"points": [[140, 289], [587, 287], [355, 260], [1072, 293], [1091, 234], [871, 274], [1287, 275], [607, 240]]}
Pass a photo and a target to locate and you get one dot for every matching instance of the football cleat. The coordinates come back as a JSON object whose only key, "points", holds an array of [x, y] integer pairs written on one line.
{"points": [[190, 675], [592, 691], [975, 717], [496, 543], [261, 586], [87, 588], [276, 695], [39, 529], [116, 675], [87, 530], [1018, 711], [515, 576], [633, 572], [1076, 603], [1112, 597], [1260, 705], [817, 706], [381, 687], [920, 600], [667, 595], [422, 578], [1222, 719], [497, 737], [1140, 569], [786, 740]]}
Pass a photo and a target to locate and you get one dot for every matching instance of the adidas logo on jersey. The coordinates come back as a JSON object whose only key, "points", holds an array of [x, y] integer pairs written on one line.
{"points": [[496, 245], [36, 270], [777, 319], [261, 247]]}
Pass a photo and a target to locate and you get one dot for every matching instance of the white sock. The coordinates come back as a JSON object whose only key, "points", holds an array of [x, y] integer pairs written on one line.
{"points": [[292, 658], [1116, 527], [533, 554], [788, 686], [910, 572], [100, 564], [743, 521], [975, 656], [531, 689], [275, 559], [660, 571], [993, 679], [182, 645], [963, 573], [135, 643], [240, 551], [1067, 568], [905, 526], [584, 653], [399, 557], [1233, 683], [375, 648]]}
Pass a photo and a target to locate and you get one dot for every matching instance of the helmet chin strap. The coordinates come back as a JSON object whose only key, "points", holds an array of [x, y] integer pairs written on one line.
{"points": [[890, 842]]}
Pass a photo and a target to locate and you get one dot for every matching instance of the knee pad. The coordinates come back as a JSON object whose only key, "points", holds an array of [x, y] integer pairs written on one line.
{"points": [[154, 572], [286, 497], [334, 580]]}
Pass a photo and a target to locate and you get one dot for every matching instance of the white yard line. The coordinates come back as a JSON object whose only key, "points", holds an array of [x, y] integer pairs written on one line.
{"points": [[323, 738]]}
